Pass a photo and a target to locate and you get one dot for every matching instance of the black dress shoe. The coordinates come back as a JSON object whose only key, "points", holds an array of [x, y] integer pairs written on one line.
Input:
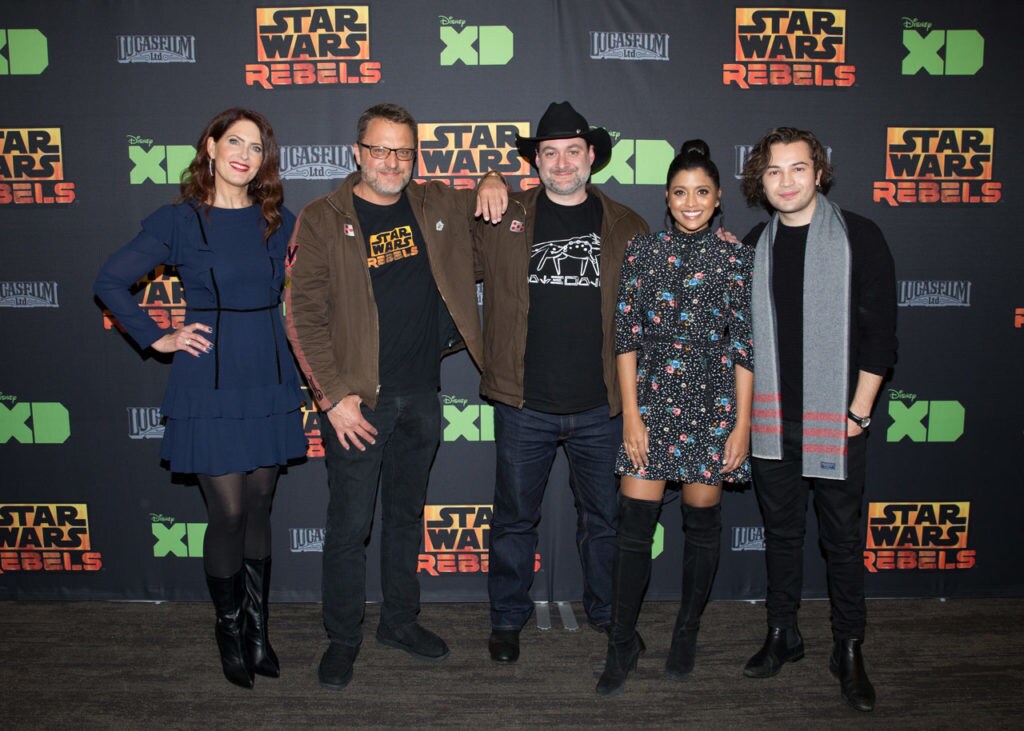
{"points": [[504, 645], [782, 645], [418, 641], [847, 665], [335, 669]]}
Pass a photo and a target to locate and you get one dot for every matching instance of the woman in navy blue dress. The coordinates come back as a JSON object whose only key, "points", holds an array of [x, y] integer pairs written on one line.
{"points": [[232, 400], [684, 356]]}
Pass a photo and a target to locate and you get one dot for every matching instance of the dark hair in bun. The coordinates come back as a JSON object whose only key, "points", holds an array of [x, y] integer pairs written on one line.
{"points": [[693, 154]]}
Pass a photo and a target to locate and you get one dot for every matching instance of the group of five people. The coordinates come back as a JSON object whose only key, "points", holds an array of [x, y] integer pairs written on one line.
{"points": [[651, 358]]}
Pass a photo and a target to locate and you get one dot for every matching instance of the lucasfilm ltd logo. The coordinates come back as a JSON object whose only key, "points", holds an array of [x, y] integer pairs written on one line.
{"points": [[748, 538], [629, 46], [145, 422], [156, 49], [306, 540], [934, 293], [28, 294], [316, 162]]}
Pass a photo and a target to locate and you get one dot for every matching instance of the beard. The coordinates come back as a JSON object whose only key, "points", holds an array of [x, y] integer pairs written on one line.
{"points": [[564, 186], [371, 177]]}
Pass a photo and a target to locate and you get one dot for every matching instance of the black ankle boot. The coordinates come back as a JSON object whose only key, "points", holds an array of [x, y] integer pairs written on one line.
{"points": [[782, 645], [630, 572], [847, 665], [703, 528], [259, 654], [227, 601], [621, 660]]}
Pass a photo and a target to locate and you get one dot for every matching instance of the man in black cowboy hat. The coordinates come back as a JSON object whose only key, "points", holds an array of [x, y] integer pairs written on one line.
{"points": [[551, 275]]}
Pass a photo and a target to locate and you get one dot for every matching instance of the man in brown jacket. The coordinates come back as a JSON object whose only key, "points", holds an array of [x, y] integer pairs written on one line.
{"points": [[381, 282], [551, 276]]}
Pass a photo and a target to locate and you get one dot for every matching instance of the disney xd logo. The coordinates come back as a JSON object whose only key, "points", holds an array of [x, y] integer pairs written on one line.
{"points": [[636, 162], [945, 419], [463, 420], [495, 44], [22, 52], [183, 540], [941, 52], [161, 164], [50, 423]]}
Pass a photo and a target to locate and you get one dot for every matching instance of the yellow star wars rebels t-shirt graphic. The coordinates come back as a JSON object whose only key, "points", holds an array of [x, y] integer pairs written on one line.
{"points": [[391, 246]]}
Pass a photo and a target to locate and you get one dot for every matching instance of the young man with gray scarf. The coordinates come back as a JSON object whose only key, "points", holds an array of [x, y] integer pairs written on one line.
{"points": [[824, 319]]}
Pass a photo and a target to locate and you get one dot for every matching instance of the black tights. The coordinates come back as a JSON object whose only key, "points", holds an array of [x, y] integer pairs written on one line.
{"points": [[238, 509]]}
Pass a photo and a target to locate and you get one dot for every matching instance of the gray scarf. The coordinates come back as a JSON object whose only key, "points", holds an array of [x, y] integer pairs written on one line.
{"points": [[826, 346]]}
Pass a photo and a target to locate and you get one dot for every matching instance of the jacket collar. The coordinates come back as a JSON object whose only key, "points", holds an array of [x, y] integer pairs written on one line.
{"points": [[341, 198], [613, 211]]}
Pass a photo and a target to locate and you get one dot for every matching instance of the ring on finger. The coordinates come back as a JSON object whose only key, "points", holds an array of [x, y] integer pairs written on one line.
{"points": [[188, 342]]}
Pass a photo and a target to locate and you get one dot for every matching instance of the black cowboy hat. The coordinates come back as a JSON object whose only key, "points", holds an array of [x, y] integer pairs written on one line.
{"points": [[562, 122]]}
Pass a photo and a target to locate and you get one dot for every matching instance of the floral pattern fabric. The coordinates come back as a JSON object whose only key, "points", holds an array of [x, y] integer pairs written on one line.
{"points": [[683, 306]]}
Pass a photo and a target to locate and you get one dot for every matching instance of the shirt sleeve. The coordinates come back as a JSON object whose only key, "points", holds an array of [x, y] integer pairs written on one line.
{"points": [[875, 282], [741, 336], [150, 248], [629, 329]]}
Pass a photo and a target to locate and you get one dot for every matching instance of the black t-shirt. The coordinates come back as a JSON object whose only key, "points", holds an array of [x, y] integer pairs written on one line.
{"points": [[788, 293], [564, 370], [406, 296]]}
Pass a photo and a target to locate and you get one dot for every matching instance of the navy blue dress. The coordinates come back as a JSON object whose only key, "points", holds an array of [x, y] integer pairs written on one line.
{"points": [[237, 408]]}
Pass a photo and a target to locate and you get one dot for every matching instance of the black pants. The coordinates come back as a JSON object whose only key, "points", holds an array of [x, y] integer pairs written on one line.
{"points": [[782, 495], [408, 431]]}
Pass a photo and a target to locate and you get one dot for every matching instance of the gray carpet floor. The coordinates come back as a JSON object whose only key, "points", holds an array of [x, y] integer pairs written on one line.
{"points": [[935, 664]]}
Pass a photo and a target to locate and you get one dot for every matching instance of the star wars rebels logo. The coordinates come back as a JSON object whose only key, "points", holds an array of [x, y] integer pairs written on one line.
{"points": [[163, 299], [456, 540], [311, 427], [32, 167], [918, 536], [458, 153], [47, 537], [324, 45], [789, 47], [938, 165]]}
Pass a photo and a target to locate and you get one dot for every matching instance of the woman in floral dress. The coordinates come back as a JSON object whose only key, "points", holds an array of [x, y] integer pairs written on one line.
{"points": [[684, 363]]}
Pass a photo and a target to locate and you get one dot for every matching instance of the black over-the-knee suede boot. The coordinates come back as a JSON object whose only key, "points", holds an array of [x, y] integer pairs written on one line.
{"points": [[630, 572], [227, 600], [703, 527], [260, 655]]}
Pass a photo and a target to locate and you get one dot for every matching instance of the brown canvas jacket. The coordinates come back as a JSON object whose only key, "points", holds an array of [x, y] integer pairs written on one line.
{"points": [[331, 314], [504, 253]]}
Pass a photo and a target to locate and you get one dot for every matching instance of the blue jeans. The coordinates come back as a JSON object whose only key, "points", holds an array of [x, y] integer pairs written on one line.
{"points": [[408, 432], [525, 442]]}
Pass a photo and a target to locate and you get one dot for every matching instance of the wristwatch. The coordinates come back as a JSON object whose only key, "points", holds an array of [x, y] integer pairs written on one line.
{"points": [[862, 421]]}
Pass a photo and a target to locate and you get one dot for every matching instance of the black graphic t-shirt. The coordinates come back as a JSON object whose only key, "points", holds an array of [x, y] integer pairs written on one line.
{"points": [[564, 372], [406, 295]]}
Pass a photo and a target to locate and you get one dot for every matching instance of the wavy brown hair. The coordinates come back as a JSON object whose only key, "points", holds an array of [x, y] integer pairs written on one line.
{"points": [[761, 156], [197, 182]]}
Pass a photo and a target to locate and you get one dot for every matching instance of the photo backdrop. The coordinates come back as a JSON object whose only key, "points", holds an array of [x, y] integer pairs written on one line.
{"points": [[917, 102]]}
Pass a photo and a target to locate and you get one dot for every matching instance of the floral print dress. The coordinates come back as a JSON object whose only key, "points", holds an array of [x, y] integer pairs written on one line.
{"points": [[683, 306]]}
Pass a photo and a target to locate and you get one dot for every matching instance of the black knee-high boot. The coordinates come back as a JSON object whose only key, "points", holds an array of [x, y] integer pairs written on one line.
{"points": [[260, 655], [227, 600], [703, 528], [630, 572]]}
